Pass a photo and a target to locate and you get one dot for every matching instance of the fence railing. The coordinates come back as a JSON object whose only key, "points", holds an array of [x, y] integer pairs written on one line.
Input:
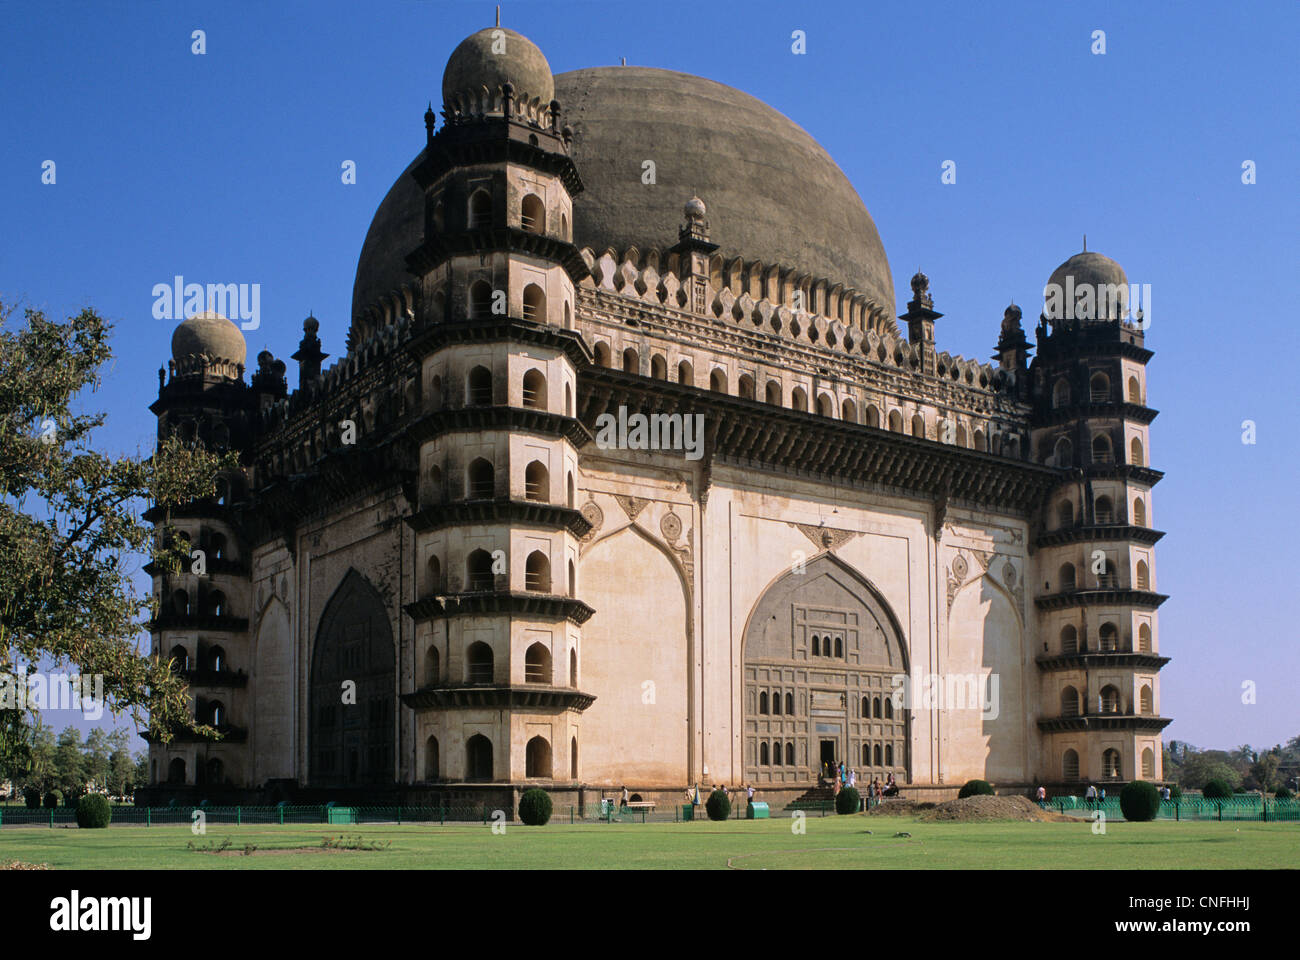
{"points": [[1187, 808]]}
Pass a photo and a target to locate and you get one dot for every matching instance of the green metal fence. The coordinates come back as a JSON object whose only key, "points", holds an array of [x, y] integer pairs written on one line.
{"points": [[1187, 808]]}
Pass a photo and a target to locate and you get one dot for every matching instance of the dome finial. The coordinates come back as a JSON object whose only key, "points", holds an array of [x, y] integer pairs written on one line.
{"points": [[498, 14], [1085, 243]]}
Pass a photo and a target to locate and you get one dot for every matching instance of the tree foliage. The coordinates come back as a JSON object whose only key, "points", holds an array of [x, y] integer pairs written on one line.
{"points": [[71, 525]]}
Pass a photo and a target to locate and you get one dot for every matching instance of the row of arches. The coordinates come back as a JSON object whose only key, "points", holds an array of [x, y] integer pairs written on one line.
{"points": [[212, 772], [773, 707], [776, 755], [213, 658], [1108, 701], [481, 481], [211, 603], [873, 755], [480, 665], [1108, 579], [1103, 513], [538, 762], [1108, 639], [479, 390], [1099, 391], [872, 708], [480, 577], [829, 646], [480, 214], [1112, 767], [1103, 451]]}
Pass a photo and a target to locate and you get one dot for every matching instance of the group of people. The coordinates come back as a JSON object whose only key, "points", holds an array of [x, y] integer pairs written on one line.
{"points": [[874, 790], [1095, 793]]}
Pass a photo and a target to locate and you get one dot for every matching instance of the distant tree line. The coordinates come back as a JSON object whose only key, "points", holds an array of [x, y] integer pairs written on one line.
{"points": [[1243, 768], [102, 763]]}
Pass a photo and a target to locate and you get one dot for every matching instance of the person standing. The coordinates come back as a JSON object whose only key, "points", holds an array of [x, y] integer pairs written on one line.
{"points": [[1042, 793], [622, 800]]}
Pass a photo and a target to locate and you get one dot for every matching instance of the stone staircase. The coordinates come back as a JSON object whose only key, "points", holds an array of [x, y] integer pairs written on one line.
{"points": [[814, 798]]}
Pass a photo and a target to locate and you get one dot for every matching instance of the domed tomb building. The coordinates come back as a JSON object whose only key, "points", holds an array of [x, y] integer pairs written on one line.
{"points": [[629, 472]]}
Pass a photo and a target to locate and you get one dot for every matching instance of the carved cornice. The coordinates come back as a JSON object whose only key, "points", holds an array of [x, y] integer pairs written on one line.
{"points": [[439, 247], [515, 419], [501, 511], [1093, 533], [433, 336], [1143, 599], [1092, 723], [510, 697], [529, 606], [1084, 661], [1133, 412], [198, 621]]}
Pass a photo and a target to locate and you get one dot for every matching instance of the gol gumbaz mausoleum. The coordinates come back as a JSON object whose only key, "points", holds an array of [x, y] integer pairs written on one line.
{"points": [[433, 578]]}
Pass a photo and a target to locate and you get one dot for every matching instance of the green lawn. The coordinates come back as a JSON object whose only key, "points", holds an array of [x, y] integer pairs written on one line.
{"points": [[829, 843]]}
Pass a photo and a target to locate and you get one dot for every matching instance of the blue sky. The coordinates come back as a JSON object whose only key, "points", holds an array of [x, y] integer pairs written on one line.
{"points": [[226, 166]]}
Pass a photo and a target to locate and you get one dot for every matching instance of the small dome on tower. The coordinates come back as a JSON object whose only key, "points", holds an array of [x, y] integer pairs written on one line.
{"points": [[485, 62], [695, 208], [1090, 267], [209, 334]]}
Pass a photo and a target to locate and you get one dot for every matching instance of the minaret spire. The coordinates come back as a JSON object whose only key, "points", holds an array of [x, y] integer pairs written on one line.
{"points": [[498, 14]]}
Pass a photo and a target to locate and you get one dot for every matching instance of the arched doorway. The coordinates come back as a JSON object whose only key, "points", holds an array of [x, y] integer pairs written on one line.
{"points": [[350, 734], [823, 644]]}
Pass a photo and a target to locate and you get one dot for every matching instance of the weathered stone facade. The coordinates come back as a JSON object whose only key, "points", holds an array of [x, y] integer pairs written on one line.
{"points": [[434, 573]]}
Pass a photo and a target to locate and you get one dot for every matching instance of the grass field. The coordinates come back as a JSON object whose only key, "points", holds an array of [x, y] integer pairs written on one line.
{"points": [[829, 843]]}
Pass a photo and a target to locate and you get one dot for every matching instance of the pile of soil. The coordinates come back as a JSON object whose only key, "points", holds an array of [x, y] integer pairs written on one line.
{"points": [[986, 808], [900, 807], [20, 865]]}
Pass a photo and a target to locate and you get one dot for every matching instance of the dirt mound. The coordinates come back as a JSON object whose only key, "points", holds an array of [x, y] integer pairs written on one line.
{"points": [[899, 807], [20, 865], [988, 808]]}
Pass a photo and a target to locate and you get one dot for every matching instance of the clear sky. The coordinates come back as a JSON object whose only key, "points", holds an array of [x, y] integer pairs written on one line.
{"points": [[226, 167]]}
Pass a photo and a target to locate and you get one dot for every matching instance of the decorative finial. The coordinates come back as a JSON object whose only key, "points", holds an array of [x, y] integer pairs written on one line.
{"points": [[498, 14], [624, 61], [1085, 243]]}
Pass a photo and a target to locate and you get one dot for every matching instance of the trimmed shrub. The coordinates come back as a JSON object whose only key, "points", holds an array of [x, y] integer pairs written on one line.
{"points": [[93, 812], [535, 807], [32, 797], [1139, 801], [975, 788], [1282, 793], [53, 799], [718, 806], [848, 800], [1216, 790]]}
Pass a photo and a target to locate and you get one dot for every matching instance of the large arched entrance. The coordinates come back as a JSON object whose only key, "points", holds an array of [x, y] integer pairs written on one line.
{"points": [[822, 649], [352, 742]]}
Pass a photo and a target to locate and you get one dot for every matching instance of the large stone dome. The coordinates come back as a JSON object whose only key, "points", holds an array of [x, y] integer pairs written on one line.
{"points": [[211, 335], [485, 61], [773, 194]]}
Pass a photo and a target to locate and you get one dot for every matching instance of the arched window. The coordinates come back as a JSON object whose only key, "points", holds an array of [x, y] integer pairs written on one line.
{"points": [[480, 209], [685, 373], [1145, 700], [478, 758], [433, 576], [569, 490], [1143, 575], [745, 387], [1108, 638], [537, 572], [1069, 639], [535, 390], [789, 709], [762, 702], [875, 709], [480, 300], [866, 708], [435, 393], [217, 546], [573, 758], [217, 604], [537, 664], [1101, 449], [1148, 764], [180, 658], [478, 571], [1110, 764], [479, 387], [658, 366], [568, 400], [532, 214], [435, 484], [564, 235], [534, 303], [1135, 454], [432, 667], [839, 646], [1066, 576], [718, 380], [1065, 514], [1064, 454], [849, 411], [1061, 394], [1134, 390], [568, 316], [1139, 512], [918, 426], [573, 580], [1108, 580], [217, 659], [217, 713], [481, 480], [603, 358], [895, 421], [875, 755], [889, 754], [631, 361], [772, 394], [789, 754], [1099, 388], [776, 702], [1105, 510], [1070, 766], [963, 438], [866, 755], [979, 441], [1069, 702], [439, 217], [799, 399], [825, 405], [176, 771], [763, 759], [480, 665], [1144, 638], [873, 416], [537, 482], [573, 667], [816, 645], [1109, 699], [776, 754], [1011, 448], [216, 771], [889, 708], [431, 759]]}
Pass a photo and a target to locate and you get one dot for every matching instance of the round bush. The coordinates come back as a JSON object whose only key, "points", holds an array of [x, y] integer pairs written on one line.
{"points": [[32, 797], [1216, 790], [848, 801], [535, 807], [718, 805], [974, 788], [53, 798], [1283, 793], [1139, 801], [93, 812]]}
